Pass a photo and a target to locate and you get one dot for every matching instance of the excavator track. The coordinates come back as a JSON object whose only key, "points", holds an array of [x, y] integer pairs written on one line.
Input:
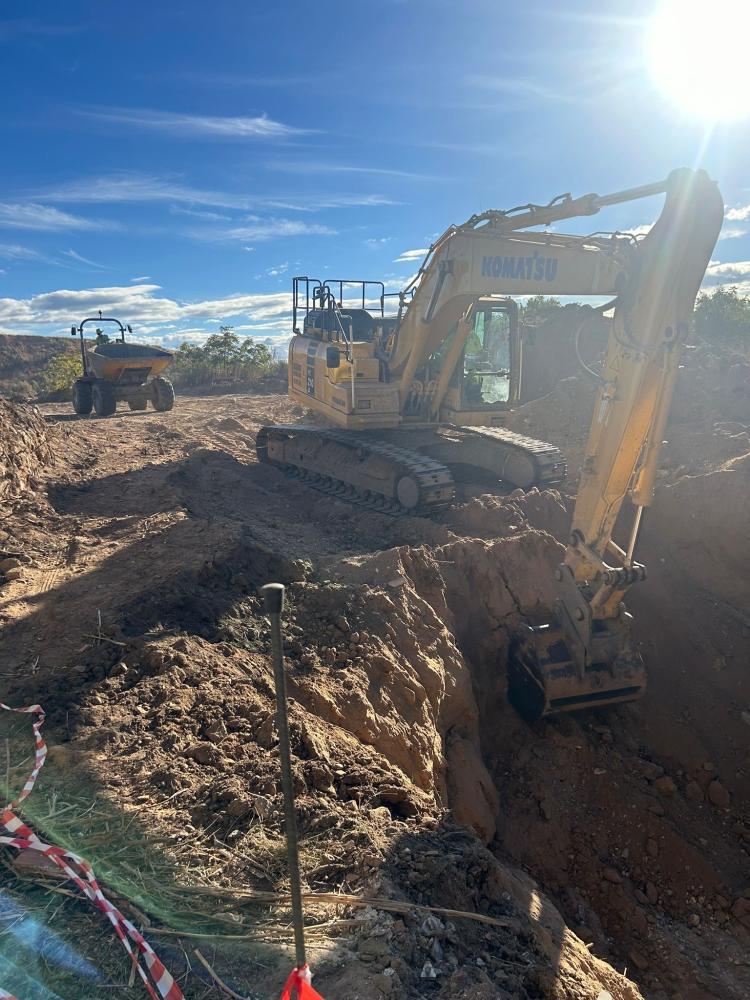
{"points": [[413, 483], [547, 461]]}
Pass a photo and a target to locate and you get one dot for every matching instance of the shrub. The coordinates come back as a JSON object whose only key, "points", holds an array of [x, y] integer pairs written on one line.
{"points": [[60, 373], [723, 316]]}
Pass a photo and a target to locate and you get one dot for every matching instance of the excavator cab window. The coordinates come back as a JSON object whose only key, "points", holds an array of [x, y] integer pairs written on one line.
{"points": [[487, 361]]}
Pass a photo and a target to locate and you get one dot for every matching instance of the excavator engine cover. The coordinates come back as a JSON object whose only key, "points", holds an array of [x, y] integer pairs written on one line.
{"points": [[544, 679]]}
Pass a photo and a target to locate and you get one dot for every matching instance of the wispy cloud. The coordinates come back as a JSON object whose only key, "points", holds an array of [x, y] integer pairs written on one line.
{"points": [[128, 187], [732, 232], [315, 167], [12, 251], [259, 230], [16, 215], [211, 126], [144, 188], [317, 203], [17, 27], [143, 277], [200, 213], [523, 89], [83, 260], [409, 256]]}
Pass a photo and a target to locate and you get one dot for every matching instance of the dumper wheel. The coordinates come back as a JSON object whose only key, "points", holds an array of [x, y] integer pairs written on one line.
{"points": [[163, 394], [105, 402], [82, 397]]}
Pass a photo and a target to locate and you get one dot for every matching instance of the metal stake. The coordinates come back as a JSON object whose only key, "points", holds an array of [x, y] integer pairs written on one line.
{"points": [[273, 596]]}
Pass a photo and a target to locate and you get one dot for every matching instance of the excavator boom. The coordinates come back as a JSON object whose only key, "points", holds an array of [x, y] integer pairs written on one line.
{"points": [[586, 655]]}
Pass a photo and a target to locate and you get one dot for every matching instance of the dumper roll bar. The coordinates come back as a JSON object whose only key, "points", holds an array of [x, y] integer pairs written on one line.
{"points": [[76, 330]]}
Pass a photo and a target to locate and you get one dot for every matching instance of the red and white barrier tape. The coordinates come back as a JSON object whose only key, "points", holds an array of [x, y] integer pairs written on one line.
{"points": [[158, 982], [299, 981]]}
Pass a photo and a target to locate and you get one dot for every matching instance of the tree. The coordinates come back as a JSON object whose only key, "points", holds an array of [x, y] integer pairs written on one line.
{"points": [[723, 316], [223, 348], [538, 309], [223, 356]]}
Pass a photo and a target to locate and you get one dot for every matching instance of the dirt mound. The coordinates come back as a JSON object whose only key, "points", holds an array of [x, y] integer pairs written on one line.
{"points": [[24, 448], [549, 349], [25, 454], [617, 840], [385, 737], [709, 422]]}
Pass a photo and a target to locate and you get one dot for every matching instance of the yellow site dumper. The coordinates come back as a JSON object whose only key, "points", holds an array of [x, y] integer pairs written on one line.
{"points": [[115, 371]]}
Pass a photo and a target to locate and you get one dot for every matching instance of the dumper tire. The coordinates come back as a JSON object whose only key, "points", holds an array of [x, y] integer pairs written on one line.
{"points": [[163, 394], [105, 401], [82, 397]]}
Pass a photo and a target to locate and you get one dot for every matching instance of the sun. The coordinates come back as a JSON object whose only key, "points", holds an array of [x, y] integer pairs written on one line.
{"points": [[698, 56]]}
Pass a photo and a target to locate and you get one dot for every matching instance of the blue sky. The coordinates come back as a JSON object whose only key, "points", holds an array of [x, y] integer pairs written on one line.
{"points": [[177, 163]]}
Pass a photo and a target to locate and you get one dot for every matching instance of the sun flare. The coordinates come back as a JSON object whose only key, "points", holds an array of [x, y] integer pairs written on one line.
{"points": [[698, 56]]}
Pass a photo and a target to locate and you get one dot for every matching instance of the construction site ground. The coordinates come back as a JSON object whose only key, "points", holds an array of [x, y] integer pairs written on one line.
{"points": [[606, 854]]}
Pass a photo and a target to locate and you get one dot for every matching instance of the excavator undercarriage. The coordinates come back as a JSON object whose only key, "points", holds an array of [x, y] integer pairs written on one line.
{"points": [[408, 473]]}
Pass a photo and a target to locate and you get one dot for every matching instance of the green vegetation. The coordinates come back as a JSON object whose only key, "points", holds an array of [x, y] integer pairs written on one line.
{"points": [[538, 309], [723, 316], [60, 373], [224, 357]]}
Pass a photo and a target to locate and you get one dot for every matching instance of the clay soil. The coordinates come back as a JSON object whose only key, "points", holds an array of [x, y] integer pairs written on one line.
{"points": [[606, 853]]}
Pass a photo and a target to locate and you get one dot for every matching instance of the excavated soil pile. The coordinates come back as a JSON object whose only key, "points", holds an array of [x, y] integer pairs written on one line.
{"points": [[615, 841], [708, 422], [24, 450]]}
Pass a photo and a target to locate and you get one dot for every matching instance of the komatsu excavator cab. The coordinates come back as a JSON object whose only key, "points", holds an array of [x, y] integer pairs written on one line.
{"points": [[486, 376]]}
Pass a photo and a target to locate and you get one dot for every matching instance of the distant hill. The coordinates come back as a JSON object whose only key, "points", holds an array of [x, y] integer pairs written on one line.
{"points": [[23, 358]]}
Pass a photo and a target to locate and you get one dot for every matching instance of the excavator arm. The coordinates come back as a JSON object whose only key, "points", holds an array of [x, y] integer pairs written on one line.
{"points": [[585, 655]]}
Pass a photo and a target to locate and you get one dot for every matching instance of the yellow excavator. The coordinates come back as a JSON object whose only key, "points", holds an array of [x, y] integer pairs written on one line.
{"points": [[418, 397]]}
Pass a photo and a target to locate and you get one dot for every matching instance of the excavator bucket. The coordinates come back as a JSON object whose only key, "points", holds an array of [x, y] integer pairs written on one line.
{"points": [[544, 679]]}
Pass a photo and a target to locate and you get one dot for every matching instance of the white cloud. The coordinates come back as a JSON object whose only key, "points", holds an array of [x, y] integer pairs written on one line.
{"points": [[380, 241], [141, 304], [129, 187], [143, 277], [83, 260], [736, 270], [410, 255], [312, 167], [642, 230], [732, 232], [200, 214], [523, 89], [213, 126], [264, 229], [741, 214], [316, 203], [15, 215], [278, 270], [12, 251]]}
